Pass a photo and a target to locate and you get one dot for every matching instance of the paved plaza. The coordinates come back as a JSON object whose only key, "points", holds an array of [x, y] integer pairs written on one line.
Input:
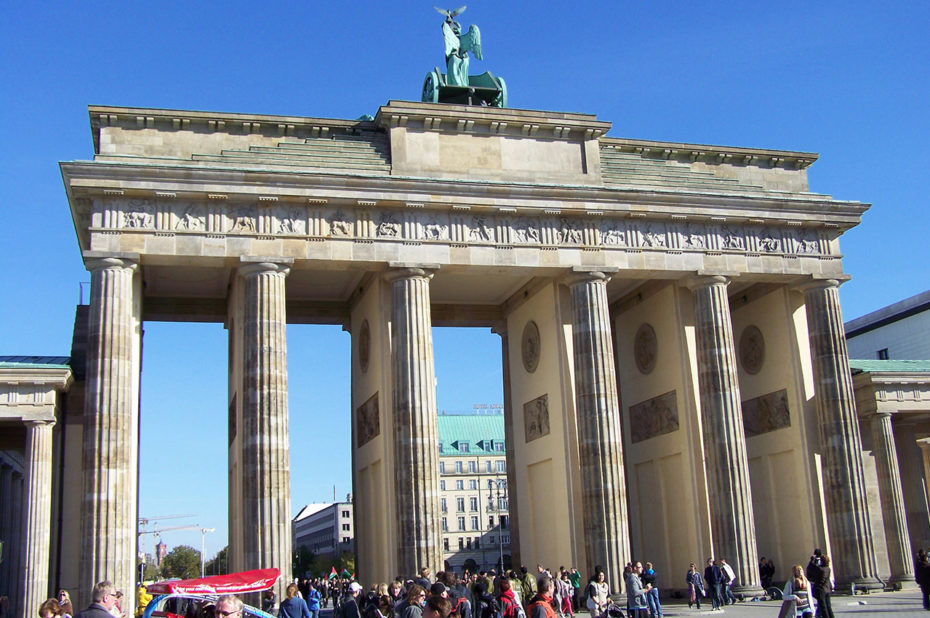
{"points": [[901, 604]]}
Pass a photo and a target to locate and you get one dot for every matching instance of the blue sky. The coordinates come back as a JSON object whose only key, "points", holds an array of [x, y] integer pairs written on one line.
{"points": [[846, 80]]}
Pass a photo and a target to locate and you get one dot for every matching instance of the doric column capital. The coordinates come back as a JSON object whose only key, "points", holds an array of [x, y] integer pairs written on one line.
{"points": [[407, 270], [812, 285], [95, 261], [38, 423], [252, 266], [703, 280], [586, 274]]}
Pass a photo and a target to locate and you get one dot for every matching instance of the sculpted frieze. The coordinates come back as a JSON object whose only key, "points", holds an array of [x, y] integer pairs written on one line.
{"points": [[461, 226]]}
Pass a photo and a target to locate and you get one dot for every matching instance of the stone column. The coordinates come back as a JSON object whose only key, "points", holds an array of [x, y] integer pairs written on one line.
{"points": [[15, 555], [416, 432], [892, 499], [510, 451], [841, 446], [265, 467], [603, 486], [913, 483], [33, 573], [727, 466], [108, 526], [6, 527]]}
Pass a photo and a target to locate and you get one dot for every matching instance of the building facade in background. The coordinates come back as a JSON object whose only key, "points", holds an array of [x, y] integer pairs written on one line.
{"points": [[900, 331], [327, 530], [473, 491]]}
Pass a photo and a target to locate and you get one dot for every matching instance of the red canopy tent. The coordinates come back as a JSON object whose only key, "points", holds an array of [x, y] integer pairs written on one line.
{"points": [[234, 583]]}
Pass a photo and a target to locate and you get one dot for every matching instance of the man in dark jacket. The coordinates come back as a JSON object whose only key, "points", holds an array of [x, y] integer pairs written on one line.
{"points": [[104, 599], [713, 577]]}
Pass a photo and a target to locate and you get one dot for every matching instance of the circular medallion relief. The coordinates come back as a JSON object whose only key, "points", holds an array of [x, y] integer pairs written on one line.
{"points": [[751, 349], [530, 346], [645, 348], [364, 346]]}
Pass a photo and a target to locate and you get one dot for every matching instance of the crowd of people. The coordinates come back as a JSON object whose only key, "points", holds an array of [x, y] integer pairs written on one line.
{"points": [[511, 594]]}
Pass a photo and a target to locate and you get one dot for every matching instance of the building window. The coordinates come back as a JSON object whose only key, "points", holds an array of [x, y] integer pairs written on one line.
{"points": [[499, 446], [473, 504], [460, 505], [443, 502], [505, 539], [461, 523], [464, 447], [345, 539], [502, 504], [445, 544], [461, 543], [460, 484], [487, 466], [490, 482], [445, 525], [883, 354], [442, 467], [501, 466], [458, 467], [473, 484], [474, 523], [468, 542], [442, 485], [490, 522], [472, 466], [477, 543], [440, 446], [503, 522], [345, 527]]}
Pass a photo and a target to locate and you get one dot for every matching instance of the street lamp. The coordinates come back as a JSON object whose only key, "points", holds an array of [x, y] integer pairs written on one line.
{"points": [[203, 536]]}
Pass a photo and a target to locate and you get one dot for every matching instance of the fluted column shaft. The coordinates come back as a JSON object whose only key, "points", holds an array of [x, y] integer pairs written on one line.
{"points": [[108, 526], [266, 483], [727, 466], [603, 486], [37, 513], [509, 448], [892, 498], [7, 515], [843, 477], [416, 431]]}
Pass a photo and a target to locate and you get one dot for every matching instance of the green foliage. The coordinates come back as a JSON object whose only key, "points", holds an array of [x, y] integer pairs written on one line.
{"points": [[304, 561], [345, 562], [150, 573], [219, 564], [182, 561]]}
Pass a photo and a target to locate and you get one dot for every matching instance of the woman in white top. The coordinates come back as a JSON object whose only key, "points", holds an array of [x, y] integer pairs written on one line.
{"points": [[799, 589], [598, 593]]}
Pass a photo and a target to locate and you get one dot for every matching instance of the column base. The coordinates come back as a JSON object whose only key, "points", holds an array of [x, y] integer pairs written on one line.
{"points": [[748, 592], [860, 584], [902, 582]]}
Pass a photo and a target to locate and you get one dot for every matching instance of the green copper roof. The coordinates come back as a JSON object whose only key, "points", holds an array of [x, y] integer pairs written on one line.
{"points": [[897, 366], [35, 362], [480, 431]]}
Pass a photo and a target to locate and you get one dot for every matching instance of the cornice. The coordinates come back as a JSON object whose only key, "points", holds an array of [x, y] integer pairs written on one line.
{"points": [[216, 122], [758, 157], [86, 178], [490, 120]]}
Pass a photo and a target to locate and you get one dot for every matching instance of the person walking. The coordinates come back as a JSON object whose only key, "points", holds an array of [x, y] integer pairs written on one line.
{"points": [[729, 578], [713, 578], [293, 606], [922, 575], [650, 581], [598, 593], [695, 586], [636, 592], [798, 588], [313, 600]]}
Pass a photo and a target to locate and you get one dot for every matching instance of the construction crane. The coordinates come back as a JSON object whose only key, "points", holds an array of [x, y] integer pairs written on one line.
{"points": [[157, 532], [144, 521]]}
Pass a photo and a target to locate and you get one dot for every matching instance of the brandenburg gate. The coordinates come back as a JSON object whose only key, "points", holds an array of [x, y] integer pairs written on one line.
{"points": [[675, 371]]}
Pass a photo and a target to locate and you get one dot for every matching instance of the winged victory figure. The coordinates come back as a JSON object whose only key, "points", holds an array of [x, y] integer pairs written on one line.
{"points": [[458, 45]]}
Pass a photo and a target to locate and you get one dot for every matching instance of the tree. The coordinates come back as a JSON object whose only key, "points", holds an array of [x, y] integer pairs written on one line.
{"points": [[304, 561], [345, 562], [218, 565], [182, 561]]}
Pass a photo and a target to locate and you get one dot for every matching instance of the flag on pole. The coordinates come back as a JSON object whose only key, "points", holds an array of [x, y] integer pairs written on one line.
{"points": [[332, 574]]}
